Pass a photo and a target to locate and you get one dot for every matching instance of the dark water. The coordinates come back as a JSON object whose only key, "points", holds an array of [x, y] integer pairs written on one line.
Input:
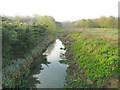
{"points": [[50, 73]]}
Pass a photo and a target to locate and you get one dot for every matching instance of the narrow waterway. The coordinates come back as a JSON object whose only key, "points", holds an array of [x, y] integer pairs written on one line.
{"points": [[53, 74]]}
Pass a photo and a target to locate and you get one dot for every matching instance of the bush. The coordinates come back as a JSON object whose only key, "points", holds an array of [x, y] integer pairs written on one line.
{"points": [[19, 39]]}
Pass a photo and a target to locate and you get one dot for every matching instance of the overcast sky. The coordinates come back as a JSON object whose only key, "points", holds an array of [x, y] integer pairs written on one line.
{"points": [[61, 10]]}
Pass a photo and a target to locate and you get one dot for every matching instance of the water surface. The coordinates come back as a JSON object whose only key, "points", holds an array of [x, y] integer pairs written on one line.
{"points": [[53, 74]]}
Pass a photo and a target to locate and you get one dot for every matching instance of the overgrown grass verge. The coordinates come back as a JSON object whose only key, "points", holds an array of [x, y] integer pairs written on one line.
{"points": [[95, 57]]}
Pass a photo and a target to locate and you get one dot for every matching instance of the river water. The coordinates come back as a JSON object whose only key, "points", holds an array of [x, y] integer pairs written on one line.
{"points": [[52, 74]]}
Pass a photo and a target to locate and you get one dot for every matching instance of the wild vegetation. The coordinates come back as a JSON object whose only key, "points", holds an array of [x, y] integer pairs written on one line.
{"points": [[21, 44], [95, 56], [92, 49]]}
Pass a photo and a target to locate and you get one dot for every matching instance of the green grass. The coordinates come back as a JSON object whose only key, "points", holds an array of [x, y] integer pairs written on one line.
{"points": [[111, 31]]}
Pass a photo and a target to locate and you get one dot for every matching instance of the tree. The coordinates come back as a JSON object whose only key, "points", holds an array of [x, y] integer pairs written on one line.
{"points": [[102, 21], [66, 24], [83, 23], [76, 24], [51, 18], [58, 24], [89, 23], [111, 22], [51, 26], [96, 23]]}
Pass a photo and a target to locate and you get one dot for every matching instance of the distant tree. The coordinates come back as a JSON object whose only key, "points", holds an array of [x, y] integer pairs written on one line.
{"points": [[58, 24], [35, 18], [102, 21], [76, 24], [51, 26], [89, 23], [111, 22], [83, 23], [96, 23], [66, 24]]}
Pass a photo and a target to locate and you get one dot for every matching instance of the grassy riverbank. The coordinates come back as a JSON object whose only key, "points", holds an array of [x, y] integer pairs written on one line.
{"points": [[93, 57]]}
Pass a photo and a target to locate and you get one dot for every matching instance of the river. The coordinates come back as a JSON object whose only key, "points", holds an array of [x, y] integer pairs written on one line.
{"points": [[52, 74]]}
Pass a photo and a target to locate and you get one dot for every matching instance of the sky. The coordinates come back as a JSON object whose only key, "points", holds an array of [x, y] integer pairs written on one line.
{"points": [[61, 10]]}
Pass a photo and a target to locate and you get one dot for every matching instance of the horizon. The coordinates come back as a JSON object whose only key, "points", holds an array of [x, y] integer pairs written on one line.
{"points": [[56, 20], [63, 10]]}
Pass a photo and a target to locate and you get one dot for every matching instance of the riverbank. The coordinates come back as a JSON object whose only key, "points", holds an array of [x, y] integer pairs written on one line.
{"points": [[74, 79], [14, 74], [93, 58]]}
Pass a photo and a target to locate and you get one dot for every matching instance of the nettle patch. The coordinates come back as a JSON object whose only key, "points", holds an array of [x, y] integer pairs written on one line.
{"points": [[97, 56]]}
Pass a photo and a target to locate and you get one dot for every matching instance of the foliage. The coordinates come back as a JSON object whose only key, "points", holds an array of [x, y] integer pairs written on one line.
{"points": [[98, 56], [19, 39], [21, 45], [51, 26], [14, 74], [83, 23], [95, 54], [102, 22], [64, 61], [72, 81], [22, 41]]}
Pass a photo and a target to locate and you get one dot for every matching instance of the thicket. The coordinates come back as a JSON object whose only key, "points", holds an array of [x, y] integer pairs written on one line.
{"points": [[19, 39], [21, 44]]}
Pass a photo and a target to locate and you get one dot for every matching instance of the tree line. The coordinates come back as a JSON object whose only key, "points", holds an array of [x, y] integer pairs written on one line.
{"points": [[102, 22]]}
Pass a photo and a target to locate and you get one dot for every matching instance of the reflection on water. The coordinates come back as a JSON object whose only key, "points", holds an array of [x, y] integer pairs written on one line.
{"points": [[53, 75], [35, 69], [48, 72]]}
